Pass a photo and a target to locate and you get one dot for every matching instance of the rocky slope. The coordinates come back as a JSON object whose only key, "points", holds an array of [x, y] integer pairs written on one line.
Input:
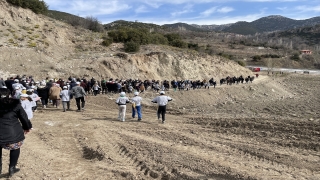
{"points": [[38, 45]]}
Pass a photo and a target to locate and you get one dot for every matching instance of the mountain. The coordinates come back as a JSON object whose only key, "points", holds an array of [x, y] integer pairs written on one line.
{"points": [[264, 24], [310, 35]]}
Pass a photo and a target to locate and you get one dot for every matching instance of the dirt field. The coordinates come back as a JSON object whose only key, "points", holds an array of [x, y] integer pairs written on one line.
{"points": [[265, 130]]}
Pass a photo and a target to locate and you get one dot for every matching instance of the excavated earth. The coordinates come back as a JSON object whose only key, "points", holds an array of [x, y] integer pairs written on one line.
{"points": [[265, 130]]}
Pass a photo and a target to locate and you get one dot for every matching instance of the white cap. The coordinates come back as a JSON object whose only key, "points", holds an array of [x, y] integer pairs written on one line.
{"points": [[24, 88], [24, 95], [136, 93], [122, 94], [65, 87], [32, 87], [77, 82], [162, 92], [16, 80], [5, 87]]}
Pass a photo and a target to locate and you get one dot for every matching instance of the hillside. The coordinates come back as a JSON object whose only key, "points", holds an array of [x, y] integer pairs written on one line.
{"points": [[41, 46]]}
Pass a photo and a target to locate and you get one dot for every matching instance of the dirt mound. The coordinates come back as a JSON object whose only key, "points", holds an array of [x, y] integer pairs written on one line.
{"points": [[36, 45]]}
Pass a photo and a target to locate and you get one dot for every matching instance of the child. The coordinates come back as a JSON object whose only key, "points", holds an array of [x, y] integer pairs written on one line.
{"points": [[95, 88], [26, 103], [34, 98], [65, 97]]}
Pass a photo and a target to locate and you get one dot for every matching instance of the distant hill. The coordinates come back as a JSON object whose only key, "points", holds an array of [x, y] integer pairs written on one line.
{"points": [[62, 16], [265, 24], [183, 27], [131, 24], [310, 35]]}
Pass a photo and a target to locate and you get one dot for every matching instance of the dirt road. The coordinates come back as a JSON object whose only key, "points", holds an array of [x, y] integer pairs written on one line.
{"points": [[265, 130]]}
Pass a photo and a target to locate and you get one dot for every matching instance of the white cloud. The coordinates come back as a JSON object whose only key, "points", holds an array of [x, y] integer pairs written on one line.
{"points": [[208, 12], [186, 9], [88, 8], [282, 8], [308, 8], [225, 9], [142, 9]]}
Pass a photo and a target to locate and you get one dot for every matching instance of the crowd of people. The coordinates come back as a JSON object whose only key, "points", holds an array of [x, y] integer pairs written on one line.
{"points": [[19, 96]]}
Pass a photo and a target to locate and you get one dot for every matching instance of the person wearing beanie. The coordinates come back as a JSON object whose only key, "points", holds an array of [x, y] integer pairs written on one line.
{"points": [[79, 94], [136, 106], [65, 98], [122, 101], [162, 102]]}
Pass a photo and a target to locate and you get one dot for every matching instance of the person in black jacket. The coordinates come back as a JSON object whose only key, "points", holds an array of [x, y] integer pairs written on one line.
{"points": [[12, 117], [43, 92]]}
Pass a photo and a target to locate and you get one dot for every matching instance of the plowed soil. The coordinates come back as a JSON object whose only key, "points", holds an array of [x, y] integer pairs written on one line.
{"points": [[265, 130]]}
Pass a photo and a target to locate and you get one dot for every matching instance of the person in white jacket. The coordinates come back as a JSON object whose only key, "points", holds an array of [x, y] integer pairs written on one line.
{"points": [[122, 101], [162, 102], [26, 103], [136, 106], [65, 98]]}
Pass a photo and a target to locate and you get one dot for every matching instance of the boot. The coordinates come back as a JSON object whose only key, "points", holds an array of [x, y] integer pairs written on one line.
{"points": [[13, 170]]}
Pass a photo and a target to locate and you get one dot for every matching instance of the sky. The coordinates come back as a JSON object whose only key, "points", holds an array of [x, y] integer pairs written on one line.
{"points": [[201, 12]]}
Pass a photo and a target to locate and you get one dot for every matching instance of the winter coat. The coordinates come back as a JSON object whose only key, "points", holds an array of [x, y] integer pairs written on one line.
{"points": [[54, 93], [43, 92], [65, 95], [27, 106], [78, 92], [11, 115]]}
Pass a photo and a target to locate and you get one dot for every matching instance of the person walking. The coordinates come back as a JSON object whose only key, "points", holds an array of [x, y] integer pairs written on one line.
{"points": [[14, 124], [95, 88], [136, 106], [79, 95], [54, 95], [122, 101], [43, 93], [65, 98], [26, 104], [162, 102]]}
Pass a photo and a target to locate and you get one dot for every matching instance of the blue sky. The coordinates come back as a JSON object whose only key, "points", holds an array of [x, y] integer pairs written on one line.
{"points": [[202, 12]]}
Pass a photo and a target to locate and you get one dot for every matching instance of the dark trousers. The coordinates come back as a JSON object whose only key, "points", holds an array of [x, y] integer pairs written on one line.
{"points": [[14, 156], [82, 102], [162, 111], [44, 101], [95, 92]]}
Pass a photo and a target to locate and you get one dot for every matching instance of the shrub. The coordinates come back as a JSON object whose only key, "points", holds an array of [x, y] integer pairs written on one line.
{"points": [[179, 43], [131, 47], [295, 57], [242, 63], [37, 6], [107, 42]]}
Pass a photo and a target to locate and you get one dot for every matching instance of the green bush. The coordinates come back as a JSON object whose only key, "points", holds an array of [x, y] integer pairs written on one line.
{"points": [[131, 47], [107, 42], [37, 6], [242, 63], [295, 57], [179, 43]]}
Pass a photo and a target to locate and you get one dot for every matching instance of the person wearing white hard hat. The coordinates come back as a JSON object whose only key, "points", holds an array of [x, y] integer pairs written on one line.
{"points": [[162, 102], [136, 106], [122, 101]]}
